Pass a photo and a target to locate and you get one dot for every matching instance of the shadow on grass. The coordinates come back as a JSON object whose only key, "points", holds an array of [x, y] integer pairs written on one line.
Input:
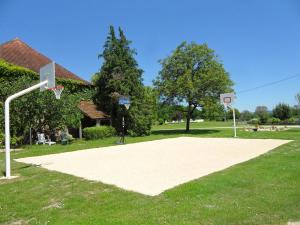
{"points": [[179, 131], [25, 166]]}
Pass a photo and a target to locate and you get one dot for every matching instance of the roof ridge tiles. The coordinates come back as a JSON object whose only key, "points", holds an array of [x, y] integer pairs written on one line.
{"points": [[18, 52]]}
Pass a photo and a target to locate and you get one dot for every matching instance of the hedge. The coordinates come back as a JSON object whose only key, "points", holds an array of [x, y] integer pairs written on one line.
{"points": [[14, 141], [11, 72], [38, 110], [1, 140], [91, 133]]}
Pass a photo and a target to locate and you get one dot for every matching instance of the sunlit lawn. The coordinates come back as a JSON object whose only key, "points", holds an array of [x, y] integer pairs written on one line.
{"points": [[264, 190], [197, 125]]}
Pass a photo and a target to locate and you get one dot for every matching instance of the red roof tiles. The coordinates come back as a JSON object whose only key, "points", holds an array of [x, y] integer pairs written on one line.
{"points": [[90, 110], [19, 53]]}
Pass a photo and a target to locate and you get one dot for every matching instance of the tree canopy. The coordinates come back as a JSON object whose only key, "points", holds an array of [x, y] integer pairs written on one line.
{"points": [[38, 110], [246, 115], [262, 113], [121, 75], [298, 98], [192, 75], [282, 111]]}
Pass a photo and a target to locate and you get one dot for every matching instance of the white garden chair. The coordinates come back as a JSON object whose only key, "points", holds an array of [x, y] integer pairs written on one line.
{"points": [[42, 140]]}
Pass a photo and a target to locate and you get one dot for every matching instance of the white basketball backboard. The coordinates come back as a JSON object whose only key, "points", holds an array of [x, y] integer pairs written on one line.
{"points": [[227, 98], [124, 100], [47, 72]]}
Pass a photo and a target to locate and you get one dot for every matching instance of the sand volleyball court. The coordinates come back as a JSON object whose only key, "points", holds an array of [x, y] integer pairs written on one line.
{"points": [[155, 166]]}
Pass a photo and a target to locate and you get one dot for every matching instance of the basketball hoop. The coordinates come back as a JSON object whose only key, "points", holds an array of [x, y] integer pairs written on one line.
{"points": [[227, 99], [124, 100], [57, 91]]}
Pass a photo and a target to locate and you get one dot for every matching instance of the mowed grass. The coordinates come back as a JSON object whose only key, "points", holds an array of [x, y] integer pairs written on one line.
{"points": [[264, 190], [195, 125]]}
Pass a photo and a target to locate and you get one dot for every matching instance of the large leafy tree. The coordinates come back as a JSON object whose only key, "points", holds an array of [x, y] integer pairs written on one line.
{"points": [[163, 112], [192, 75], [213, 111], [282, 111], [121, 75], [230, 114], [151, 97], [262, 113], [296, 108], [298, 98], [246, 115]]}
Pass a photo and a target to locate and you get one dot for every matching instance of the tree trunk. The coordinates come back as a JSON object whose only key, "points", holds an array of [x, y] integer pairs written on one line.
{"points": [[188, 118]]}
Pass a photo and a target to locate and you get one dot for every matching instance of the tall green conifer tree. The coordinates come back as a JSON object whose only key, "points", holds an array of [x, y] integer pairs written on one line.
{"points": [[121, 75]]}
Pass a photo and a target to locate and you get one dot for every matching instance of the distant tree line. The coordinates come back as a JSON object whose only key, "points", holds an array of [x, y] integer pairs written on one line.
{"points": [[281, 113]]}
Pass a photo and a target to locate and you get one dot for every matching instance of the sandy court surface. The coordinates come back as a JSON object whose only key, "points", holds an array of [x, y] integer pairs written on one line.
{"points": [[155, 166]]}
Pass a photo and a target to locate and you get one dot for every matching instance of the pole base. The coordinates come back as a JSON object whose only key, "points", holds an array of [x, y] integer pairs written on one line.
{"points": [[8, 178]]}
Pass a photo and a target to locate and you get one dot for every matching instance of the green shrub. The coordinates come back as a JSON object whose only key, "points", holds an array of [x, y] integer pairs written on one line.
{"points": [[254, 121], [282, 111], [274, 120], [161, 121], [16, 141], [291, 120], [91, 133], [1, 139]]}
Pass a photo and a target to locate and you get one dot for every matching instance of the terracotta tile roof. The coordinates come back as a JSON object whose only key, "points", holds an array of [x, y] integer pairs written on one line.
{"points": [[90, 110], [19, 53]]}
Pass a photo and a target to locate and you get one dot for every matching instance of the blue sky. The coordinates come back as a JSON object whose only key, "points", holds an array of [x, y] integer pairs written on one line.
{"points": [[258, 41]]}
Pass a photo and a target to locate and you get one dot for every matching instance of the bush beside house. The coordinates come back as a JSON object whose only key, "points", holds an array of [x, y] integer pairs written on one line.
{"points": [[100, 132]]}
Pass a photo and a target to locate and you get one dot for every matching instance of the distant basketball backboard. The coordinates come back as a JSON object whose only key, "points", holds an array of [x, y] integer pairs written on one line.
{"points": [[47, 72], [124, 100], [227, 99]]}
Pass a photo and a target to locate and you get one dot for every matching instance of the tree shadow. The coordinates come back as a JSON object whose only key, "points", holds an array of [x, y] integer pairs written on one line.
{"points": [[181, 131], [26, 166]]}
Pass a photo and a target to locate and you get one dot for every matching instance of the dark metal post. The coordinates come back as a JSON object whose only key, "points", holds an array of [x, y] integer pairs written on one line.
{"points": [[123, 133], [30, 136], [125, 101]]}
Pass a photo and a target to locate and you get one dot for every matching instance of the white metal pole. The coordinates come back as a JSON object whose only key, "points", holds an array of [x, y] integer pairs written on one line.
{"points": [[234, 125], [7, 125], [7, 140]]}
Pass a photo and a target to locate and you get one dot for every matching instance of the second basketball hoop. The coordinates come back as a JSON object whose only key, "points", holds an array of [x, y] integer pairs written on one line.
{"points": [[227, 99]]}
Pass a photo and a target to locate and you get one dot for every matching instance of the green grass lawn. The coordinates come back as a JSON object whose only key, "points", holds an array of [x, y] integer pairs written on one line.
{"points": [[264, 190], [205, 124]]}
